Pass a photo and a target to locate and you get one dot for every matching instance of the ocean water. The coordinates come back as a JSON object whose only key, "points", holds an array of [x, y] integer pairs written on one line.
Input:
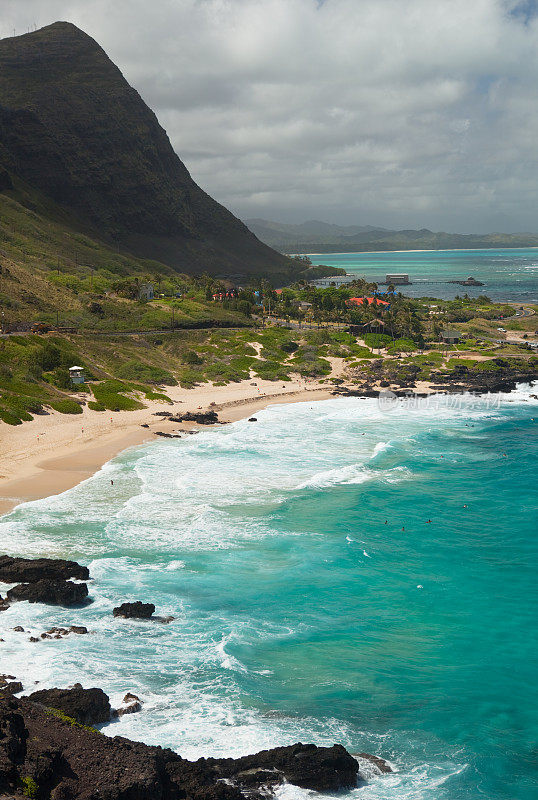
{"points": [[313, 599], [507, 274]]}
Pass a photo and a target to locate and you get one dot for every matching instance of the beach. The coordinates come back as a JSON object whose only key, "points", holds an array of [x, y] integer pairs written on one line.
{"points": [[55, 452]]}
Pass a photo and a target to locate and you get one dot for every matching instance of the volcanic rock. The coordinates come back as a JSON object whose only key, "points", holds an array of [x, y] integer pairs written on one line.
{"points": [[87, 706], [73, 763], [201, 417], [131, 704], [52, 592], [136, 610], [325, 769], [25, 570]]}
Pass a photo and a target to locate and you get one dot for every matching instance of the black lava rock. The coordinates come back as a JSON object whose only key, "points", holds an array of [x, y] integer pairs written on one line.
{"points": [[137, 610], [56, 593]]}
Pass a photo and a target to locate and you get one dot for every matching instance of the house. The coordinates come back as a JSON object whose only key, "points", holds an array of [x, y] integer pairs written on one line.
{"points": [[450, 336], [363, 301], [220, 297], [76, 374], [146, 291]]}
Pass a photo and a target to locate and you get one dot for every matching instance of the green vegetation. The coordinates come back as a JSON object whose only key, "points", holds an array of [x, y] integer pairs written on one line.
{"points": [[55, 712], [113, 395], [66, 406], [29, 787], [395, 343], [135, 371]]}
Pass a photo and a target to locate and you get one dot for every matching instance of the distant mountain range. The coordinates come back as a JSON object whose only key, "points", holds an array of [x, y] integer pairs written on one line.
{"points": [[322, 237]]}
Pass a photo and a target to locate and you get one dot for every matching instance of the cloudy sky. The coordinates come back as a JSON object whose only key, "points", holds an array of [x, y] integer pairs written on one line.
{"points": [[402, 113]]}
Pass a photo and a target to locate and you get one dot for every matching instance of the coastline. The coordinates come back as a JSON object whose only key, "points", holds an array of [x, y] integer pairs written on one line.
{"points": [[54, 453], [440, 250], [51, 454]]}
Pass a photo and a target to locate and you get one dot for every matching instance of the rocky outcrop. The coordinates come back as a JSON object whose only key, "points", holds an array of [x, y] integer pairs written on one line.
{"points": [[51, 592], [130, 704], [26, 570], [86, 706], [9, 685], [68, 762], [136, 610], [201, 417], [325, 769], [59, 632]]}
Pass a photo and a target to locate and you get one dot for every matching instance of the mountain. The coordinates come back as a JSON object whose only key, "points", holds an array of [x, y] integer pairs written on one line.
{"points": [[77, 137], [322, 237], [311, 231]]}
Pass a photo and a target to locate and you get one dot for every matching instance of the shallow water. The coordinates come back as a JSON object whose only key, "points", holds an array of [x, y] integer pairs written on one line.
{"points": [[300, 614], [507, 274]]}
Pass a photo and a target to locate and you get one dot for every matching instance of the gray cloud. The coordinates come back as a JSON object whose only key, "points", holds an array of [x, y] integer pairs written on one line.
{"points": [[394, 112]]}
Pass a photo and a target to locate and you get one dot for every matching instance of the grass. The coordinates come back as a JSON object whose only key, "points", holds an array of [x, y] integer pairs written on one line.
{"points": [[55, 712]]}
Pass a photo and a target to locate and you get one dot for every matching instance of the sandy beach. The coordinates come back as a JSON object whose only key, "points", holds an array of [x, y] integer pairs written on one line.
{"points": [[53, 453]]}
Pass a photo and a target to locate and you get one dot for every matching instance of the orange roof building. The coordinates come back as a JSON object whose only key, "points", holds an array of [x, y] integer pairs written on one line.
{"points": [[362, 301]]}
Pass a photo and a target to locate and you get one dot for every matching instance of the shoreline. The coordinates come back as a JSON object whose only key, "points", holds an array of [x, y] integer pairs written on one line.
{"points": [[440, 250], [52, 454]]}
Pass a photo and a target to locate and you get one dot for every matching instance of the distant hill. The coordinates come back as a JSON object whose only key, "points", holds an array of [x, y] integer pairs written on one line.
{"points": [[73, 132], [322, 237]]}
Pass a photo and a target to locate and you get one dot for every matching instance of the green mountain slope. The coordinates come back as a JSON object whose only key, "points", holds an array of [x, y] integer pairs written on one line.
{"points": [[73, 129]]}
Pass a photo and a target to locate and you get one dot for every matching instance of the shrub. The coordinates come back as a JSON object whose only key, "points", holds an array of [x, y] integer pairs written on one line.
{"points": [[111, 394], [50, 357], [271, 371], [29, 787], [60, 377], [149, 395], [66, 406], [289, 347], [191, 357], [9, 417], [402, 345], [95, 406], [137, 371], [377, 340]]}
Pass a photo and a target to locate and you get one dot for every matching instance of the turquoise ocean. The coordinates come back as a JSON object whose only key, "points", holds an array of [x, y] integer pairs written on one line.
{"points": [[507, 274], [313, 599]]}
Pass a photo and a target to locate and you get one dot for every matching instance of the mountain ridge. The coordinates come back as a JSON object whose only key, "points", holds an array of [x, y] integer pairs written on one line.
{"points": [[328, 238], [72, 128]]}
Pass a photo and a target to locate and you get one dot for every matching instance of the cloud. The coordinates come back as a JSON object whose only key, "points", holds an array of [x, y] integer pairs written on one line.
{"points": [[394, 112]]}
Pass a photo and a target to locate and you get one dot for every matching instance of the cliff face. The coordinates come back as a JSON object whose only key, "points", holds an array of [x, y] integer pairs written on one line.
{"points": [[73, 128]]}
